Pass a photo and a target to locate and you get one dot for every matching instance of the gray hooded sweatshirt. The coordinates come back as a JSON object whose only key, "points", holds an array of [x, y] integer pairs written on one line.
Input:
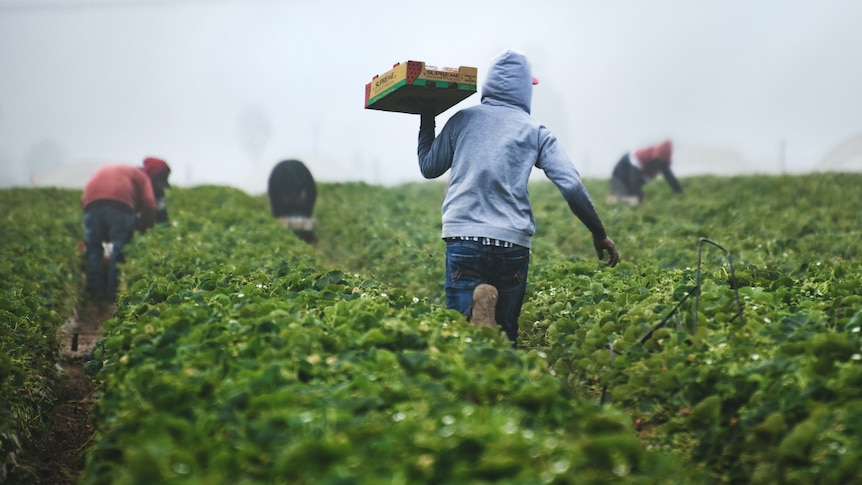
{"points": [[491, 149]]}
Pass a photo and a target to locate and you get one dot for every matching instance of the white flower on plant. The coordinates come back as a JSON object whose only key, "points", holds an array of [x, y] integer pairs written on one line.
{"points": [[560, 466], [551, 443], [446, 431], [621, 469]]}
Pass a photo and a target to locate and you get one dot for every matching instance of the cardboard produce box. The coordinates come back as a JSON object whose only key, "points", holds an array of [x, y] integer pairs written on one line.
{"points": [[410, 85]]}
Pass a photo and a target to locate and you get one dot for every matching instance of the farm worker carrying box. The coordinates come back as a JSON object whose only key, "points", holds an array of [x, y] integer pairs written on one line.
{"points": [[488, 222]]}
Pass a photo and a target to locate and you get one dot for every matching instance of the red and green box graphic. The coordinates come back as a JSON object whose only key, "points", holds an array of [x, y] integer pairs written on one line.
{"points": [[410, 85]]}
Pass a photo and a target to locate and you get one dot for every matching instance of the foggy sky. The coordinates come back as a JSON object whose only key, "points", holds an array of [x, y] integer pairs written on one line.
{"points": [[224, 89]]}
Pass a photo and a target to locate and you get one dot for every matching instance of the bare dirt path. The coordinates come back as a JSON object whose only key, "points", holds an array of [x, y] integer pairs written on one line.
{"points": [[56, 455]]}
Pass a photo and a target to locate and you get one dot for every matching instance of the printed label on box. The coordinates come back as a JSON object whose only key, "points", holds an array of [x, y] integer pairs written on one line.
{"points": [[408, 86]]}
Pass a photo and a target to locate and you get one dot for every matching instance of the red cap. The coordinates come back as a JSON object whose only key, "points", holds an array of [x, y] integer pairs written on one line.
{"points": [[644, 155], [663, 150], [535, 81], [154, 166]]}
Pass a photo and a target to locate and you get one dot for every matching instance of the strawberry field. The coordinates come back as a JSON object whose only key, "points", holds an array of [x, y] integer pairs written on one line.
{"points": [[724, 348]]}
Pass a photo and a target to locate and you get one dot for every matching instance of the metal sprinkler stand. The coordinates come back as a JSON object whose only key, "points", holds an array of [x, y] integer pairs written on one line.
{"points": [[732, 281], [694, 291]]}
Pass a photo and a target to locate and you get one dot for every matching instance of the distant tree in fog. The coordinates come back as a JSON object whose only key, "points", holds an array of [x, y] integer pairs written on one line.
{"points": [[42, 158], [254, 131]]}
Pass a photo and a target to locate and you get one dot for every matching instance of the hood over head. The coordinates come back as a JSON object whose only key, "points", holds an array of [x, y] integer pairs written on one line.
{"points": [[509, 82], [662, 151], [154, 167]]}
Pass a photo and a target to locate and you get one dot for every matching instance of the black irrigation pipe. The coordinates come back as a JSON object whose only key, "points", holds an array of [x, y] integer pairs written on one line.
{"points": [[694, 291], [671, 314]]}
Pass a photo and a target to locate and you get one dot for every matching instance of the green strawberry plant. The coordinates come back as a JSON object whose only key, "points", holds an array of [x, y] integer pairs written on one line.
{"points": [[240, 354], [39, 290]]}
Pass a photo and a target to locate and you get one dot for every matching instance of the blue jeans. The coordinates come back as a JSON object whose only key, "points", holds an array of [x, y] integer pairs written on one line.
{"points": [[105, 224], [470, 263]]}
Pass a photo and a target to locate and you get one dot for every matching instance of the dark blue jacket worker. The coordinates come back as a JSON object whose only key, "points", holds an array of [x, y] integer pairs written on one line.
{"points": [[292, 194], [637, 168]]}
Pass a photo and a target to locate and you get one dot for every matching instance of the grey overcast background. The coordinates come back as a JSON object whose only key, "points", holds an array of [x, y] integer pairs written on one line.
{"points": [[224, 89]]}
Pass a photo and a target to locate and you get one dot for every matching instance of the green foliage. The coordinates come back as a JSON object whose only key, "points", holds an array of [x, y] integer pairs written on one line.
{"points": [[774, 382], [39, 288], [239, 354], [388, 233]]}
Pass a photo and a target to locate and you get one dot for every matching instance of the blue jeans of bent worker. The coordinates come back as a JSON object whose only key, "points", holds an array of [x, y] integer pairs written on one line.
{"points": [[105, 224], [471, 263]]}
